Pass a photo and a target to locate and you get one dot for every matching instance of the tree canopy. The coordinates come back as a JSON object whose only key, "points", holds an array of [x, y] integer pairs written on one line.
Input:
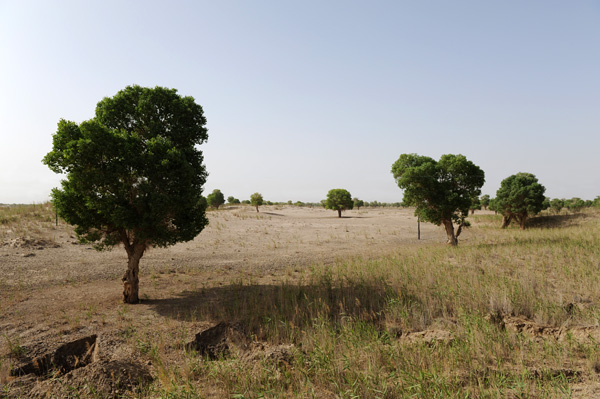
{"points": [[215, 199], [358, 203], [441, 191], [256, 200], [485, 201], [134, 174], [339, 199], [519, 197]]}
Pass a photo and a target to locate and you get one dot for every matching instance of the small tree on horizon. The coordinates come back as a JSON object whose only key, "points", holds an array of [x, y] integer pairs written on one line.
{"points": [[256, 200], [475, 205], [232, 200], [134, 174], [216, 198], [556, 205], [358, 203], [519, 197], [339, 199], [485, 201], [575, 204], [442, 191]]}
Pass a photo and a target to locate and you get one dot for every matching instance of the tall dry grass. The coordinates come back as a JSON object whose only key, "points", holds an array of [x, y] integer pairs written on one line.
{"points": [[349, 323]]}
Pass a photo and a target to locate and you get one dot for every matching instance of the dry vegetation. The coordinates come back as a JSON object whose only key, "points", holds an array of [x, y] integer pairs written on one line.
{"points": [[314, 307]]}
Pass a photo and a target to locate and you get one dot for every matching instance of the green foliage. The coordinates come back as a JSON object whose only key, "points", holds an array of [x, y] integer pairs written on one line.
{"points": [[519, 197], [556, 205], [256, 200], [546, 204], [232, 200], [575, 204], [441, 191], [339, 199], [133, 172], [475, 205], [485, 201], [215, 199], [358, 203]]}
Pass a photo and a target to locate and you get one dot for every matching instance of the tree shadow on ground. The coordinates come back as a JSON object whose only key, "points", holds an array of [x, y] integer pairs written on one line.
{"points": [[555, 221], [255, 307], [273, 214]]}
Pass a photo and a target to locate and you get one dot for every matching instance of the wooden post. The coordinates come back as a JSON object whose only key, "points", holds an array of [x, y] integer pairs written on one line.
{"points": [[418, 228]]}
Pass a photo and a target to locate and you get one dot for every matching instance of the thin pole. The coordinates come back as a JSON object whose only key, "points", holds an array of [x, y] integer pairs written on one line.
{"points": [[418, 227]]}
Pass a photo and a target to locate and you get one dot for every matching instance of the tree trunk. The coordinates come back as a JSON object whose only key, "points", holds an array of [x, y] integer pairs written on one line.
{"points": [[506, 221], [339, 213], [131, 280], [256, 208], [522, 221], [452, 240]]}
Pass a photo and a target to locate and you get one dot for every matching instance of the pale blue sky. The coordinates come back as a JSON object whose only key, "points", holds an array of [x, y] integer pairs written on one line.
{"points": [[302, 97]]}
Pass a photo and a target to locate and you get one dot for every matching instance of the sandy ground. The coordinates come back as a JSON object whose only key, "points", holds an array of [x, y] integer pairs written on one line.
{"points": [[61, 300], [55, 291], [237, 239]]}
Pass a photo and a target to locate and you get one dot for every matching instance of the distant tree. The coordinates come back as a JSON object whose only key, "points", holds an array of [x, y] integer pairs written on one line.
{"points": [[485, 201], [597, 202], [247, 202], [575, 204], [475, 205], [358, 203], [232, 200], [256, 200], [442, 191], [134, 174], [339, 200], [546, 203], [519, 197], [492, 205], [556, 205], [215, 199]]}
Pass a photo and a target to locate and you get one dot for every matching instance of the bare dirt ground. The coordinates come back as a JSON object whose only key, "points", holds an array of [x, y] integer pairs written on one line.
{"points": [[61, 301]]}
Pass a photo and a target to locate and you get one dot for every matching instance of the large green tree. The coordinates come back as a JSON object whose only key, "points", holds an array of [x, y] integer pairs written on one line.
{"points": [[134, 174], [339, 200], [442, 191], [519, 197], [215, 199]]}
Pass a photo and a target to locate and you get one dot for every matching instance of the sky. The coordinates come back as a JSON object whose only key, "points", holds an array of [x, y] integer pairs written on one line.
{"points": [[303, 97]]}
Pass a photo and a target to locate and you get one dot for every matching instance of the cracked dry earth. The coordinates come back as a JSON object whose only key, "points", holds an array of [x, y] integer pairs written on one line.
{"points": [[64, 329]]}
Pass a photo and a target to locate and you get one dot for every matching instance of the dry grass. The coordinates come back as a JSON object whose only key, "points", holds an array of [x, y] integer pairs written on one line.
{"points": [[347, 322], [424, 322]]}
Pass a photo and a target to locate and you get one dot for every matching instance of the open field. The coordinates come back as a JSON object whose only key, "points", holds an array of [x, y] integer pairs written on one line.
{"points": [[312, 305]]}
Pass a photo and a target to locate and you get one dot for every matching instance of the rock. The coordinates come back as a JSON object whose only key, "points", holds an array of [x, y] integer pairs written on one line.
{"points": [[218, 341], [65, 358]]}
